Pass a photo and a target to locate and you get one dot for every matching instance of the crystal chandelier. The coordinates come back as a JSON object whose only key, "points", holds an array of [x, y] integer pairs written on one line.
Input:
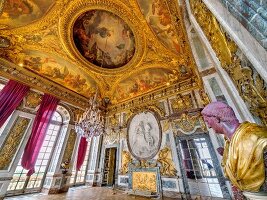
{"points": [[91, 123]]}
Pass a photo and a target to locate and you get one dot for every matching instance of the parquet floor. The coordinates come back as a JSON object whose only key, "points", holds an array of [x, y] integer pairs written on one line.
{"points": [[82, 193]]}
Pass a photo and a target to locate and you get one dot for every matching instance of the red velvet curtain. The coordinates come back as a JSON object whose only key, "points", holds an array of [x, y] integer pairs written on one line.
{"points": [[10, 97], [81, 152], [40, 125]]}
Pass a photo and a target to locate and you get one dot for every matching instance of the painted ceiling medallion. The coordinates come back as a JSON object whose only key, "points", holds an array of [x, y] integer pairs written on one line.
{"points": [[103, 39]]}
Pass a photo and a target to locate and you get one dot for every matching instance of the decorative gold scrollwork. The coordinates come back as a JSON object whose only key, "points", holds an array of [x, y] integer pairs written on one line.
{"points": [[12, 142], [249, 84], [187, 123], [126, 159], [167, 165]]}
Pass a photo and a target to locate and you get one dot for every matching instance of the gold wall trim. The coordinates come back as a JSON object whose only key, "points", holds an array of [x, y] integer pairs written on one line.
{"points": [[11, 144]]}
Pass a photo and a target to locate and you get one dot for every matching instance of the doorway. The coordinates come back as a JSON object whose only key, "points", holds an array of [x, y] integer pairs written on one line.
{"points": [[202, 175], [109, 167]]}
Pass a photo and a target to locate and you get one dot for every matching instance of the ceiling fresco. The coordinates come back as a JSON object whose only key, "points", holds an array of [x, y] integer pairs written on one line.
{"points": [[158, 17], [123, 48], [104, 39], [60, 71], [144, 81], [18, 13]]}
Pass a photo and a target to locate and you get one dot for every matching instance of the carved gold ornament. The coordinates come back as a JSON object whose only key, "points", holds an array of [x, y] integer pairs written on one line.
{"points": [[250, 85], [186, 122], [165, 159], [182, 102], [12, 142], [126, 159], [144, 181], [33, 99]]}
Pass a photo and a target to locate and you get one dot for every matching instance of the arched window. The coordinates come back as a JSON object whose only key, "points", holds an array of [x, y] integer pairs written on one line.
{"points": [[51, 147], [78, 177]]}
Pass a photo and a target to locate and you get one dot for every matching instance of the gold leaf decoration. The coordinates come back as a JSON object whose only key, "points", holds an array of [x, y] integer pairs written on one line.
{"points": [[250, 85], [12, 142], [167, 167]]}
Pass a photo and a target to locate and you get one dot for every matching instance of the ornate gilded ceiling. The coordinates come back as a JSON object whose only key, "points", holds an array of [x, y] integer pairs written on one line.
{"points": [[123, 47]]}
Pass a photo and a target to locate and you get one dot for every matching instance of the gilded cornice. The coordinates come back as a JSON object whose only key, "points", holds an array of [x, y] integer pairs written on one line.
{"points": [[18, 73], [153, 97]]}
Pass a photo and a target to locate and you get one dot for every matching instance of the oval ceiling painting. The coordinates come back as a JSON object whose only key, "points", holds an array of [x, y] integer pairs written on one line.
{"points": [[104, 39]]}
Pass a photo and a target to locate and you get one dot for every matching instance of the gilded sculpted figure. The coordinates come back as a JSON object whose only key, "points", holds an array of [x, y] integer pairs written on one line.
{"points": [[167, 166], [245, 147]]}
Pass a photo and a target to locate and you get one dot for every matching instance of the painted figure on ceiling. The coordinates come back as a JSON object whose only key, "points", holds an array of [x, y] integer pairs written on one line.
{"points": [[245, 147], [104, 39], [21, 12]]}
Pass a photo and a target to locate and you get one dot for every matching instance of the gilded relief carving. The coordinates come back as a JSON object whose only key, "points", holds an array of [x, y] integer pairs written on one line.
{"points": [[186, 122], [69, 147], [11, 145], [249, 84], [32, 100], [126, 159], [144, 181], [167, 167], [182, 102]]}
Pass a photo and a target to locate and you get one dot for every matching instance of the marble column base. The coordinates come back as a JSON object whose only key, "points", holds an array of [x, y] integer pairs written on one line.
{"points": [[256, 195]]}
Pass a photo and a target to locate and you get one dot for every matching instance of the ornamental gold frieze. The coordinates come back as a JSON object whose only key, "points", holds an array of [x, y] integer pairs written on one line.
{"points": [[16, 72], [250, 85], [12, 142], [75, 9], [155, 96]]}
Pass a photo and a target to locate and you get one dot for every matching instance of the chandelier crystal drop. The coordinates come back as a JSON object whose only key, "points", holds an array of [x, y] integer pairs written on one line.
{"points": [[92, 122]]}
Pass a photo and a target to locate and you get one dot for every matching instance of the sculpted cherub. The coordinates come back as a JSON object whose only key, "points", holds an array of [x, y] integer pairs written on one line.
{"points": [[245, 147]]}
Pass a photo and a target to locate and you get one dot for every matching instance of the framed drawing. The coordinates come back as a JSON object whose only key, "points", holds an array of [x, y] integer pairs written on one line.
{"points": [[144, 135]]}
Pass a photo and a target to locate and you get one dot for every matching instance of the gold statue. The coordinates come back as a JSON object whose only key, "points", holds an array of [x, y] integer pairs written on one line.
{"points": [[167, 166], [243, 160]]}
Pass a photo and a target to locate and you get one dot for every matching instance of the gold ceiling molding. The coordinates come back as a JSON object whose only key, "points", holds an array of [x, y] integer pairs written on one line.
{"points": [[15, 72], [155, 96], [77, 8]]}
